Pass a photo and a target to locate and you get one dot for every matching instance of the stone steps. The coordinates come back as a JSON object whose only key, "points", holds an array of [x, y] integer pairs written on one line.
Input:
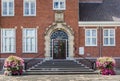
{"points": [[60, 67]]}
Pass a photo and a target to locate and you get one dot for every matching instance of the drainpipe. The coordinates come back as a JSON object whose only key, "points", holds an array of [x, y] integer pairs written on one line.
{"points": [[100, 46], [0, 44]]}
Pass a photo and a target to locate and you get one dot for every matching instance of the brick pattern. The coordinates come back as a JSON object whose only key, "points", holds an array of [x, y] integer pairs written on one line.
{"points": [[44, 17], [94, 51]]}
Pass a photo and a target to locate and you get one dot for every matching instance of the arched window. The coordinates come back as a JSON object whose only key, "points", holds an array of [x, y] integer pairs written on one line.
{"points": [[59, 35]]}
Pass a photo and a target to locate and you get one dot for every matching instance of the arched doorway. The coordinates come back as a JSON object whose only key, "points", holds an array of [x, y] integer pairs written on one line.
{"points": [[59, 45], [58, 33]]}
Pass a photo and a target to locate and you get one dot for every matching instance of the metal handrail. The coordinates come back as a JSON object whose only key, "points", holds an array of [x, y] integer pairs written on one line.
{"points": [[26, 63], [93, 63]]}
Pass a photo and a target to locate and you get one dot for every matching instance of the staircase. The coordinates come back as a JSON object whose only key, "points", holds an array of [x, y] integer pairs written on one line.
{"points": [[60, 67]]}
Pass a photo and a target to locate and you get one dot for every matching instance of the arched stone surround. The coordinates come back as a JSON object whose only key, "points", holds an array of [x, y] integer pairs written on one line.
{"points": [[64, 27]]}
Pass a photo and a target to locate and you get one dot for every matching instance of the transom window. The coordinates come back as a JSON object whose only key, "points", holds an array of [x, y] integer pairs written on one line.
{"points": [[7, 7], [109, 37], [90, 37], [29, 7], [59, 35], [8, 41], [30, 40], [59, 4]]}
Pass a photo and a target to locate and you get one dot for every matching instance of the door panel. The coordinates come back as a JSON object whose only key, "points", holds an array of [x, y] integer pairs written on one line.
{"points": [[59, 49]]}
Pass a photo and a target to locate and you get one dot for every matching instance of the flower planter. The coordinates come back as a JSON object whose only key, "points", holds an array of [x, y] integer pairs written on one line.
{"points": [[107, 71], [13, 66], [106, 65]]}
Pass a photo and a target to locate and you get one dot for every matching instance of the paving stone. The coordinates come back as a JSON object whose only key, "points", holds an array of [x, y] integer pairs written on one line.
{"points": [[60, 78]]}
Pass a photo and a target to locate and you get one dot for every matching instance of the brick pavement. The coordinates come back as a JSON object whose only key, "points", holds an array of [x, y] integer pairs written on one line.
{"points": [[60, 78]]}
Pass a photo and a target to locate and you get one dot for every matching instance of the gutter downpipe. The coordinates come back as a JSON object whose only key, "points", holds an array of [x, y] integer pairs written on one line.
{"points": [[100, 47]]}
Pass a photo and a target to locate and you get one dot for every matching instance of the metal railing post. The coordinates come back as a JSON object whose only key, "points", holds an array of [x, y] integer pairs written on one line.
{"points": [[25, 66]]}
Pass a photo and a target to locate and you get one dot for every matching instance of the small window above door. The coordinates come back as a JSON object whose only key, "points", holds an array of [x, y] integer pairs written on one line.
{"points": [[59, 4]]}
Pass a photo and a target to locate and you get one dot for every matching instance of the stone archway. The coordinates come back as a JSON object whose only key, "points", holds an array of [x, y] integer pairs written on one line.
{"points": [[68, 30]]}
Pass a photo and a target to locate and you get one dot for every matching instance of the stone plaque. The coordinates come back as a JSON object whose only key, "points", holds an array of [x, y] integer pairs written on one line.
{"points": [[81, 50], [59, 17]]}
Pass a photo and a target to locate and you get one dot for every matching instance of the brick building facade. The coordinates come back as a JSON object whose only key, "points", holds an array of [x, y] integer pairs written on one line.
{"points": [[57, 29]]}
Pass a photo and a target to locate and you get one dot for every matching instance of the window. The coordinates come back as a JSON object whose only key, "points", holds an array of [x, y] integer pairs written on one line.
{"points": [[8, 41], [90, 37], [109, 37], [29, 7], [7, 7], [29, 40], [59, 4]]}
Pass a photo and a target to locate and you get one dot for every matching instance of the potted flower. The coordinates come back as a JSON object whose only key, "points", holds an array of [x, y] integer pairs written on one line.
{"points": [[13, 65], [106, 65]]}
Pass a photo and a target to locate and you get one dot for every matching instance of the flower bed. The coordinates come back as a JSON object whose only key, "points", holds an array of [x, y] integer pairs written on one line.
{"points": [[13, 65], [106, 65]]}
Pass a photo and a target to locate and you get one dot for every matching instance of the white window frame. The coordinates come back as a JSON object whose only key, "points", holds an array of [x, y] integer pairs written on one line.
{"points": [[13, 29], [7, 8], [59, 5], [91, 37], [109, 37], [29, 8], [23, 37]]}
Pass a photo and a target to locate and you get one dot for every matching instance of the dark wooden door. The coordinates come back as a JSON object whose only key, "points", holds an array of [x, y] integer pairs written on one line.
{"points": [[59, 49]]}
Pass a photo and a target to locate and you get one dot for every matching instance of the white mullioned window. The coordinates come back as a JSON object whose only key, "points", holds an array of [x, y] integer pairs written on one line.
{"points": [[7, 7], [59, 4], [108, 37], [29, 40], [90, 37], [8, 41], [29, 7]]}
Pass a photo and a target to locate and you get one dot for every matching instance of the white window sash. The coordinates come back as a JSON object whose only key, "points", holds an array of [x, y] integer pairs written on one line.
{"points": [[8, 8], [8, 43], [30, 13], [59, 6], [90, 37], [109, 37], [28, 46]]}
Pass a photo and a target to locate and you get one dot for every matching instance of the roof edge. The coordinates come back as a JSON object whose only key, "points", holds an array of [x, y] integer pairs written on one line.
{"points": [[100, 24]]}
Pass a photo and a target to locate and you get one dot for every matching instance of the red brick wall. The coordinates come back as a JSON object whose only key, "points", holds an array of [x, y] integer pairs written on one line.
{"points": [[44, 17], [94, 51]]}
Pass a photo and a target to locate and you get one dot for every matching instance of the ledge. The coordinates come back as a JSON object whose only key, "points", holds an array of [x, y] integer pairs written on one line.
{"points": [[98, 24], [91, 1]]}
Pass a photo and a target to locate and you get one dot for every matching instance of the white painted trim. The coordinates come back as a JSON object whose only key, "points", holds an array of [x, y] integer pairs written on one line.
{"points": [[109, 37], [90, 1], [7, 8], [30, 8], [59, 4], [36, 42], [98, 24], [90, 37], [14, 29]]}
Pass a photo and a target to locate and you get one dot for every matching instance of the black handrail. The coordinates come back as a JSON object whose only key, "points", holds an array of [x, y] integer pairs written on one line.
{"points": [[93, 63], [26, 63]]}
